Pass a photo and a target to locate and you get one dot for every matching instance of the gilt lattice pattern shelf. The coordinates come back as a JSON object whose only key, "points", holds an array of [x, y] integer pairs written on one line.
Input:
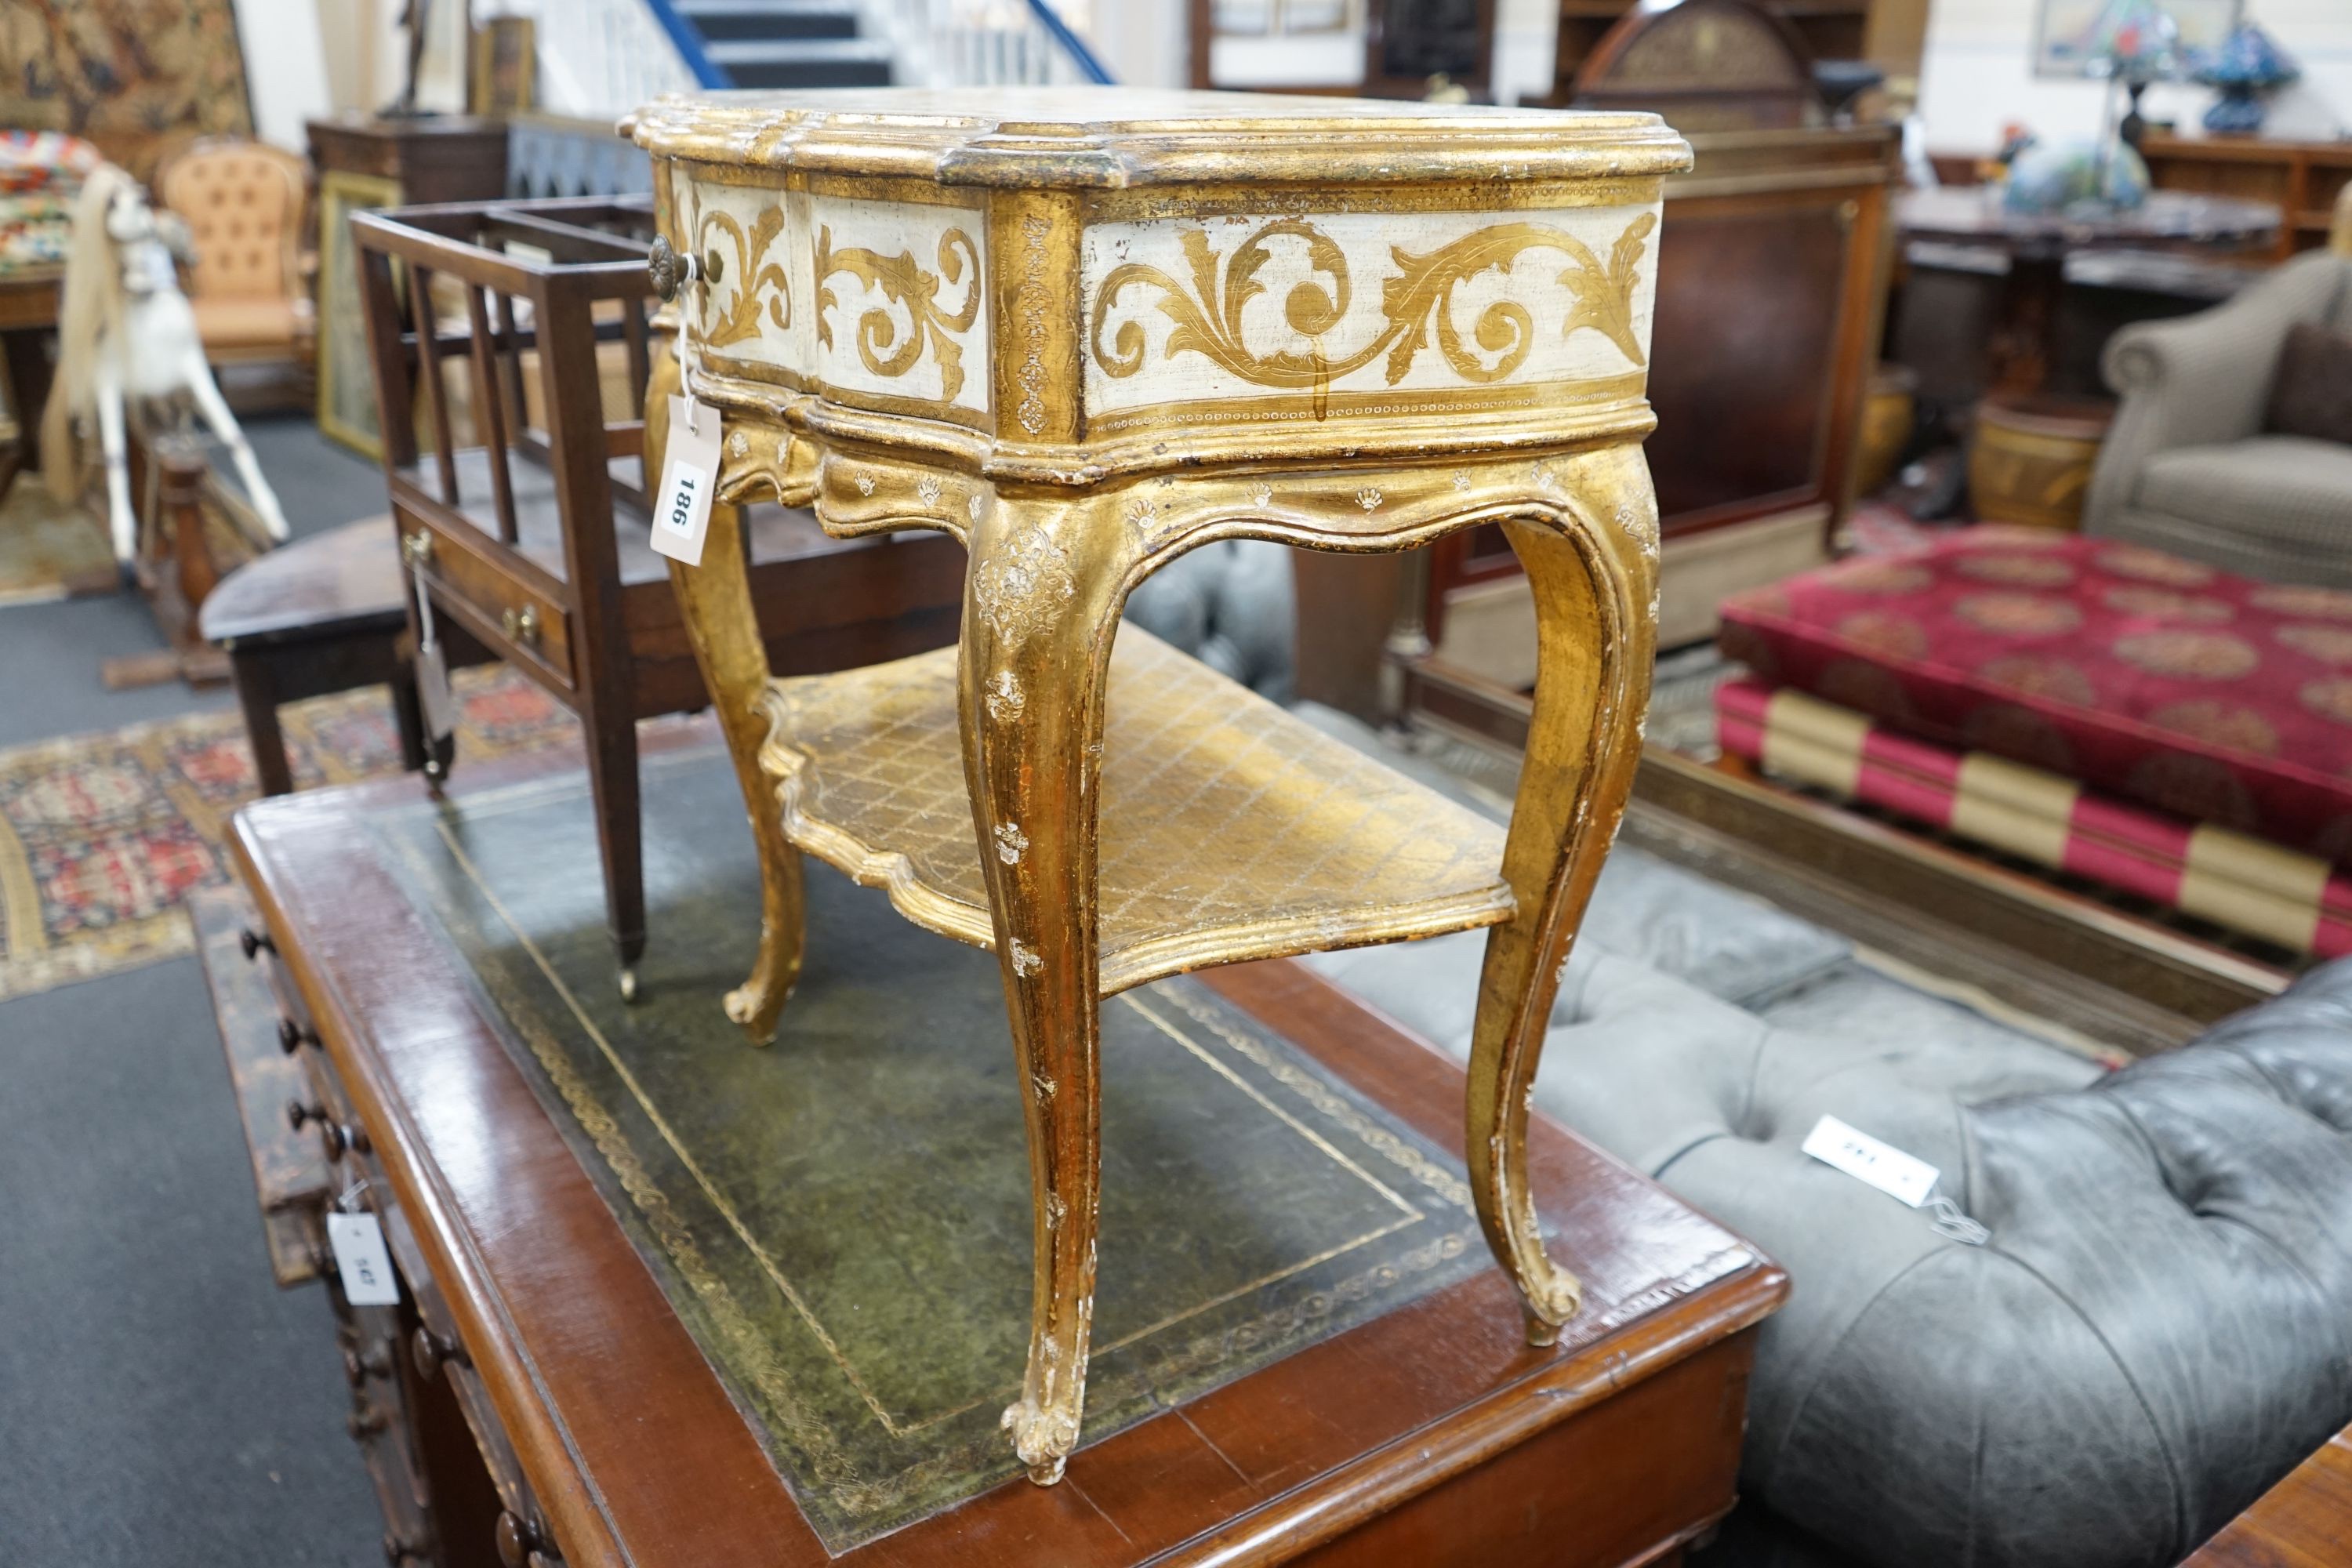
{"points": [[1230, 828]]}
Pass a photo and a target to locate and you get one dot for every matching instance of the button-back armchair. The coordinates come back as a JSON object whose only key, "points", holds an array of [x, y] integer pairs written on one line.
{"points": [[244, 202], [2187, 467]]}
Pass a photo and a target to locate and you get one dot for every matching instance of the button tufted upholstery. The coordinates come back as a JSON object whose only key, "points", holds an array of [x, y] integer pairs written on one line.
{"points": [[243, 204], [2161, 1326], [1233, 605]]}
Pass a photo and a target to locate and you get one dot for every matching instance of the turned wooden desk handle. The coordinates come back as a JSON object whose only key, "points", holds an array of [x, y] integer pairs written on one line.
{"points": [[524, 1542], [432, 1352]]}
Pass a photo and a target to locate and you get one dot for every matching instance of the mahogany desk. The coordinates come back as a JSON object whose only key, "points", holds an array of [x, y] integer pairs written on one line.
{"points": [[1427, 1433], [2304, 1522]]}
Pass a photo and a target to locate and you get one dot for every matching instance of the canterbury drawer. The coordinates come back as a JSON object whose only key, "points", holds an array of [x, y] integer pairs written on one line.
{"points": [[467, 581]]}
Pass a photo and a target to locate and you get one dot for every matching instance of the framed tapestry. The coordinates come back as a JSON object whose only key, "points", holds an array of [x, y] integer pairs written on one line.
{"points": [[136, 77], [2065, 32], [347, 409]]}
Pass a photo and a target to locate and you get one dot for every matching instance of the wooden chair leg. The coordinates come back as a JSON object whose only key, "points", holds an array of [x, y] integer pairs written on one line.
{"points": [[1040, 610], [257, 698], [613, 789], [1595, 642]]}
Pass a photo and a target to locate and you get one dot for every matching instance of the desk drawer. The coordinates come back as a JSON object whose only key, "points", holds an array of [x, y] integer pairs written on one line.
{"points": [[291, 1181]]}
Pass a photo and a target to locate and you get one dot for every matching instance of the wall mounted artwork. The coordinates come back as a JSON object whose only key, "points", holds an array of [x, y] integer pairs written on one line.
{"points": [[136, 77]]}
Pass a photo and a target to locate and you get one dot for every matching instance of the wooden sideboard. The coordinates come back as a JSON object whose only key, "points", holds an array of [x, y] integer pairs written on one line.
{"points": [[535, 1396], [365, 161], [2302, 178], [1773, 257]]}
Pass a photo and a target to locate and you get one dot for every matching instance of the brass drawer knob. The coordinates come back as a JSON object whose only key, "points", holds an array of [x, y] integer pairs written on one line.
{"points": [[255, 941], [416, 549], [521, 625], [299, 1115], [432, 1352], [668, 269], [397, 1550], [292, 1037]]}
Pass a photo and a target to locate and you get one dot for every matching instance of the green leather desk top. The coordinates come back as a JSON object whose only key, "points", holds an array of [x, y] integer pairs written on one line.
{"points": [[842, 1219]]}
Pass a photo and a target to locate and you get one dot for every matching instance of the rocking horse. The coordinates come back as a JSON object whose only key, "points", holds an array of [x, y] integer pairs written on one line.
{"points": [[126, 332]]}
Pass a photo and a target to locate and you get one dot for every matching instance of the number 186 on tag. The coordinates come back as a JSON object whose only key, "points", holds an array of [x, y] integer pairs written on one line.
{"points": [[682, 508]]}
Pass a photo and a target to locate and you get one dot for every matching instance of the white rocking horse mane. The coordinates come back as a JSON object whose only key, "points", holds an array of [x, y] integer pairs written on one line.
{"points": [[125, 331], [89, 308]]}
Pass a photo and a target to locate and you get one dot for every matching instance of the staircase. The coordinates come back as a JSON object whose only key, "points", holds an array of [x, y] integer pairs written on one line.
{"points": [[787, 43], [599, 58]]}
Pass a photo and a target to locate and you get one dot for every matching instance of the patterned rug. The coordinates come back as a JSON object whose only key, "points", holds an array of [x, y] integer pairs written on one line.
{"points": [[102, 836]]}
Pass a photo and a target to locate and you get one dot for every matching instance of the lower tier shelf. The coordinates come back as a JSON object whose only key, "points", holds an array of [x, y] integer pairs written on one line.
{"points": [[1229, 829]]}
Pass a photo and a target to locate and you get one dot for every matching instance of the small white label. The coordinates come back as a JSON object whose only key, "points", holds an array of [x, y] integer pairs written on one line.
{"points": [[361, 1262], [1858, 1154], [689, 471], [433, 699]]}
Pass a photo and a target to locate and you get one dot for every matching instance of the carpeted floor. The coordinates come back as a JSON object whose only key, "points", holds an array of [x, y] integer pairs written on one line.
{"points": [[161, 1404]]}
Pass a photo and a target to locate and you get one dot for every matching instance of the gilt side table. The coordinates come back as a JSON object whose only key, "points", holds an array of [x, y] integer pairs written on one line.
{"points": [[1085, 332]]}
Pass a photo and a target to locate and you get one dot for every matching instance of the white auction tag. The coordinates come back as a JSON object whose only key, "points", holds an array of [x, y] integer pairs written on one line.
{"points": [[433, 701], [361, 1262], [690, 473], [1864, 1158]]}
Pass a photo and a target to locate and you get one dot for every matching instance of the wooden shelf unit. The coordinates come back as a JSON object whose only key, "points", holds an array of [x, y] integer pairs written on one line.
{"points": [[2302, 177], [1832, 29]]}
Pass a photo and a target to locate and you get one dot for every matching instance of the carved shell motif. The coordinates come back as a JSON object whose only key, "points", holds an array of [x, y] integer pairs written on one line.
{"points": [[1024, 587]]}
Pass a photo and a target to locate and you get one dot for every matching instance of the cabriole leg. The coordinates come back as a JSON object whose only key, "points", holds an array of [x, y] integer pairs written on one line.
{"points": [[1040, 611], [1594, 649], [715, 598]]}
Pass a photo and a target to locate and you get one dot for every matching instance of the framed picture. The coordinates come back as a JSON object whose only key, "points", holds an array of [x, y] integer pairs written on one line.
{"points": [[505, 59], [347, 407], [2065, 31]]}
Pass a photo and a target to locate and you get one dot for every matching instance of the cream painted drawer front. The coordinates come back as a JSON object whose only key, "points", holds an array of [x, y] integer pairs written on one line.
{"points": [[883, 302], [1265, 316], [1121, 319]]}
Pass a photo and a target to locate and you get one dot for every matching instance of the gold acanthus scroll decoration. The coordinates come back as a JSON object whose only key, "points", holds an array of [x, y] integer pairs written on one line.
{"points": [[742, 318], [1211, 323], [887, 349]]}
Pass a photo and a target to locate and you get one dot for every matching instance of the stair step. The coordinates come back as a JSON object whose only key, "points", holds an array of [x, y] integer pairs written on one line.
{"points": [[728, 21], [804, 62]]}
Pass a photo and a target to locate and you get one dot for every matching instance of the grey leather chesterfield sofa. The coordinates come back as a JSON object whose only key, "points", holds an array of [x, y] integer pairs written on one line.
{"points": [[2158, 1327]]}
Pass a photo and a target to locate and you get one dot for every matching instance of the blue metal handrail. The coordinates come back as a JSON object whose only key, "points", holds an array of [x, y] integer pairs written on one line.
{"points": [[691, 47], [1071, 44], [707, 72]]}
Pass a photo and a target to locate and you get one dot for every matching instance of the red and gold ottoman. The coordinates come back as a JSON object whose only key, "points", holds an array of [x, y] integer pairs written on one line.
{"points": [[2244, 884], [2156, 681]]}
